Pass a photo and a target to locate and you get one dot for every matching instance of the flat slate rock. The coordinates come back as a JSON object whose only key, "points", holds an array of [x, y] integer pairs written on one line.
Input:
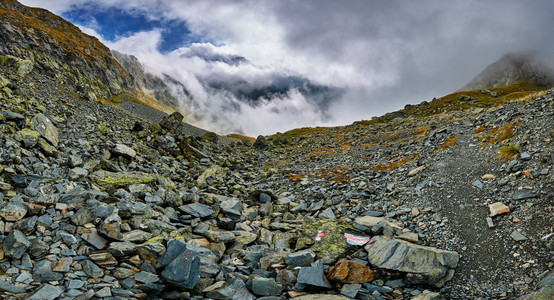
{"points": [[45, 292], [434, 265], [197, 210]]}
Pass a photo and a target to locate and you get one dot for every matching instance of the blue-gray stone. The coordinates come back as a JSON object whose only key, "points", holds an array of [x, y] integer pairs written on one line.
{"points": [[234, 289], [197, 210], [478, 184], [265, 198], [523, 194], [350, 290], [381, 289], [42, 272], [128, 283], [15, 244], [313, 275], [183, 270], [373, 213], [75, 284], [266, 286], [146, 277], [174, 249], [300, 259], [45, 292], [12, 288], [327, 214], [91, 269], [525, 156]]}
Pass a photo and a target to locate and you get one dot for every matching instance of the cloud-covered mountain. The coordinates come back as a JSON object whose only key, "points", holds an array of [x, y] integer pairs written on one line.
{"points": [[222, 91], [529, 66]]}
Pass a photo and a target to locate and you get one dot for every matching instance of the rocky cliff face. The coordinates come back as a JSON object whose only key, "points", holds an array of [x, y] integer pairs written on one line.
{"points": [[526, 66], [33, 40]]}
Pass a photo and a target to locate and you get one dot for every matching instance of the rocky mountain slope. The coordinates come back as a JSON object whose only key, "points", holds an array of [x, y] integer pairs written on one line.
{"points": [[449, 199], [528, 66]]}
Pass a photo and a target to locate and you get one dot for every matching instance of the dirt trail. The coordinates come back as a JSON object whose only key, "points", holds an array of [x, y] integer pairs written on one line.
{"points": [[484, 254]]}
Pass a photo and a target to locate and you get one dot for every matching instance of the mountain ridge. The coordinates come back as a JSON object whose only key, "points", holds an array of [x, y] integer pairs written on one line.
{"points": [[528, 66]]}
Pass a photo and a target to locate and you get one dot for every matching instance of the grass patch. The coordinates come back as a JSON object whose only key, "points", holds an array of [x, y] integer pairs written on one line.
{"points": [[299, 132], [447, 143], [497, 134], [395, 164], [508, 152], [240, 137]]}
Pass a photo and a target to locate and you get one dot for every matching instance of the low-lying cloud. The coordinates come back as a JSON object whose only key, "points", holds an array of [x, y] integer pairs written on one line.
{"points": [[322, 62]]}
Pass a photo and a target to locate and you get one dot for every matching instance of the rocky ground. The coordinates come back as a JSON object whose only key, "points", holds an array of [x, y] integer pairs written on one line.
{"points": [[99, 203]]}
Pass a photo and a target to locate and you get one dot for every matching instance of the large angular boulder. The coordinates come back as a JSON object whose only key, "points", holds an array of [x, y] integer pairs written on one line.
{"points": [[44, 126], [181, 265], [172, 122], [424, 265]]}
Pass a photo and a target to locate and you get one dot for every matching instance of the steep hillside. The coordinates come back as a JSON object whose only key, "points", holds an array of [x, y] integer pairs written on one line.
{"points": [[36, 42], [528, 66], [164, 93]]}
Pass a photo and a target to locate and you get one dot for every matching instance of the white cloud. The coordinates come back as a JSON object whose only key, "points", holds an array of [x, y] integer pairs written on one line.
{"points": [[384, 53]]}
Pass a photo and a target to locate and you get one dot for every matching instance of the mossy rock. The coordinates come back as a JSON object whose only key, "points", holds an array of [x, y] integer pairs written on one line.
{"points": [[121, 179], [331, 245], [28, 137]]}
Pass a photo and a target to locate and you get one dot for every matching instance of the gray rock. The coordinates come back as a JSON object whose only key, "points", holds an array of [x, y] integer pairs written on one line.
{"points": [[523, 194], [261, 142], [518, 236], [104, 292], [83, 216], [350, 290], [183, 270], [381, 289], [172, 122], [300, 259], [15, 244], [45, 292], [95, 239], [119, 249], [313, 275], [266, 286], [146, 277], [42, 272], [478, 184], [234, 289], [265, 198], [91, 269], [46, 129], [197, 210], [13, 211], [431, 265], [525, 156], [12, 288], [137, 236], [327, 214], [125, 151]]}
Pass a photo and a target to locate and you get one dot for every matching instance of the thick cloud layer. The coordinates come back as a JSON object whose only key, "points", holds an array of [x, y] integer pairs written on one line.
{"points": [[341, 61]]}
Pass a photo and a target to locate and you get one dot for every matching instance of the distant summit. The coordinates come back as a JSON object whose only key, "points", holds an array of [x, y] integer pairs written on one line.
{"points": [[528, 66]]}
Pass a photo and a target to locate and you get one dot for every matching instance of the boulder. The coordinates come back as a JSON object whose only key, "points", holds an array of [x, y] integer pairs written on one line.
{"points": [[172, 122], [47, 130], [346, 271], [424, 265]]}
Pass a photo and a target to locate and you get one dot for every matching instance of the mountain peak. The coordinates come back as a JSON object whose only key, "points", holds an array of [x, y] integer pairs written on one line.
{"points": [[529, 66]]}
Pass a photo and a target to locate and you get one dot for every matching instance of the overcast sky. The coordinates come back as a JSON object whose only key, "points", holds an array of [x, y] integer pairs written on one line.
{"points": [[381, 54]]}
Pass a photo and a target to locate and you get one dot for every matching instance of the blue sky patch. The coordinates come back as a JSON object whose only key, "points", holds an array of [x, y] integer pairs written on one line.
{"points": [[114, 23]]}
